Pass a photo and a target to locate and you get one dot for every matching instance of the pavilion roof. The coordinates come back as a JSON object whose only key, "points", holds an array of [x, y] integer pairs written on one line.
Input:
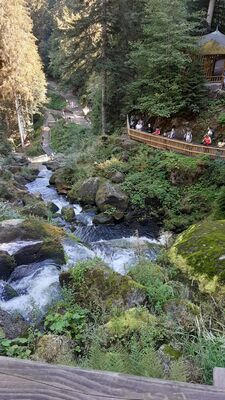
{"points": [[213, 43]]}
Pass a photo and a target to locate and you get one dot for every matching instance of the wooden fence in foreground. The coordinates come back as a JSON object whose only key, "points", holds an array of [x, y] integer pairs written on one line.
{"points": [[177, 146], [26, 380]]}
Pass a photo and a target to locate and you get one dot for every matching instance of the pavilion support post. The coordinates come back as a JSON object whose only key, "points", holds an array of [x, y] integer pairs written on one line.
{"points": [[211, 9]]}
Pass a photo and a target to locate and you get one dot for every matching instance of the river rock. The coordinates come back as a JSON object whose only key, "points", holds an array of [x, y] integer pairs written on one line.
{"points": [[199, 252], [68, 213], [102, 288], [102, 219], [118, 177], [54, 349], [110, 196], [7, 265], [20, 158], [87, 191], [32, 229], [7, 292], [49, 249], [38, 209], [52, 207], [60, 179], [12, 325]]}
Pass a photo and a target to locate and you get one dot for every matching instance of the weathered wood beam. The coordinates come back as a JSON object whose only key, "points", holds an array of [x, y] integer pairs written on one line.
{"points": [[26, 380], [210, 13]]}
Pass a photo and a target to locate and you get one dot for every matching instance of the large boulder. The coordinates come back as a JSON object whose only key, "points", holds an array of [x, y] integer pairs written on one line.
{"points": [[86, 192], [12, 325], [32, 229], [32, 253], [110, 197], [68, 213], [200, 253], [61, 178], [54, 349], [7, 265], [96, 286]]}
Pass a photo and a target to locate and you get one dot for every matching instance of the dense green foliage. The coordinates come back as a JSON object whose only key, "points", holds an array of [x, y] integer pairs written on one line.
{"points": [[56, 101], [69, 138]]}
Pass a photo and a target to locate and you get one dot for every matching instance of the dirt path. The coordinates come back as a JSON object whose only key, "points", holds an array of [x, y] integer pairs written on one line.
{"points": [[73, 113]]}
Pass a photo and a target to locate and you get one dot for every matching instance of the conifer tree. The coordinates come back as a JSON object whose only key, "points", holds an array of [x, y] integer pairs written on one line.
{"points": [[95, 37], [22, 81], [163, 61]]}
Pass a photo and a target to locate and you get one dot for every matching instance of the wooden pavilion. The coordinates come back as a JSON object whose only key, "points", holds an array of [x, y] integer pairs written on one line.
{"points": [[212, 49]]}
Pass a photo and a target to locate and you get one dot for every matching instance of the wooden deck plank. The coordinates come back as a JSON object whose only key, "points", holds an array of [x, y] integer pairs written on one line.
{"points": [[23, 380]]}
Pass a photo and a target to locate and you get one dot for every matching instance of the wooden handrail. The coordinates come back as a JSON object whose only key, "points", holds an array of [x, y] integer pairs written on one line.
{"points": [[178, 146]]}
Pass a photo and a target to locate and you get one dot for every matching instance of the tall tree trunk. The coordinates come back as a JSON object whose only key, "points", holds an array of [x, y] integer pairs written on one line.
{"points": [[20, 119], [104, 72], [211, 9]]}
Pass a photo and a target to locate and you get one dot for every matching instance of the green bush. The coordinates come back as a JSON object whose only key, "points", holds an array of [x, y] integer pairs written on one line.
{"points": [[154, 279], [70, 138], [56, 101]]}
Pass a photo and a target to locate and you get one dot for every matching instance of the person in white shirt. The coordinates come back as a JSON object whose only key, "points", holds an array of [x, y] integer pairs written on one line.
{"points": [[139, 125]]}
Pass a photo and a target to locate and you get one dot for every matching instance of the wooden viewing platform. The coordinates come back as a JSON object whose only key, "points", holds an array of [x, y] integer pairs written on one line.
{"points": [[177, 146], [26, 380]]}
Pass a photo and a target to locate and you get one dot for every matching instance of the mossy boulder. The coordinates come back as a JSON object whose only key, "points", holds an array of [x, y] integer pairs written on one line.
{"points": [[102, 219], [62, 178], [47, 250], [131, 321], [30, 229], [200, 252], [12, 325], [111, 198], [54, 349], [68, 214], [86, 192], [7, 265], [97, 287], [37, 209]]}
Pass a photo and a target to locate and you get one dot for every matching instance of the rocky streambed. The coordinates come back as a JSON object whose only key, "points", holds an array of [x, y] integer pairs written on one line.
{"points": [[33, 253]]}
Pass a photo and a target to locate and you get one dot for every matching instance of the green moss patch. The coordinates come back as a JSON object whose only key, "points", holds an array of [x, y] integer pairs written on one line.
{"points": [[200, 252]]}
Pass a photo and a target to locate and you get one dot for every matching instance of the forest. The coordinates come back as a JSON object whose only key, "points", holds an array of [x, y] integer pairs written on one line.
{"points": [[112, 251]]}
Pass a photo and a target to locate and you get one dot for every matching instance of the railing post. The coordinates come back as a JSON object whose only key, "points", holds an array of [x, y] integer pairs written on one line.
{"points": [[219, 378]]}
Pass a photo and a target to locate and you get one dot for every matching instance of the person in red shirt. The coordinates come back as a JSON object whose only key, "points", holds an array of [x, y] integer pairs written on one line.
{"points": [[207, 140], [157, 131]]}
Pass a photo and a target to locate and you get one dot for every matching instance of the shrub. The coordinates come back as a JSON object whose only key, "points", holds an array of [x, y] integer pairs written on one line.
{"points": [[56, 101], [153, 278]]}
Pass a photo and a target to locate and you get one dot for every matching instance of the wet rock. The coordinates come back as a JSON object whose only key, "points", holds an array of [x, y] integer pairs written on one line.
{"points": [[111, 197], [86, 193], [7, 292], [31, 269], [103, 219], [118, 177], [61, 178], [38, 209], [101, 288], [32, 229], [52, 207], [58, 162], [54, 349], [12, 325], [39, 252], [68, 213], [7, 265]]}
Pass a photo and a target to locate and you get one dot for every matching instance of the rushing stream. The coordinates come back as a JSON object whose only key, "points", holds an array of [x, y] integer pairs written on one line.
{"points": [[118, 245]]}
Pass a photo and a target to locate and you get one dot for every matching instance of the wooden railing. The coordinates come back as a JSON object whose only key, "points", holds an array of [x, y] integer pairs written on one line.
{"points": [[25, 380], [177, 146], [216, 79]]}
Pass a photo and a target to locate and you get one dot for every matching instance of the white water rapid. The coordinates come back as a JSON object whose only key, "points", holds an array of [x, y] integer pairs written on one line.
{"points": [[120, 246]]}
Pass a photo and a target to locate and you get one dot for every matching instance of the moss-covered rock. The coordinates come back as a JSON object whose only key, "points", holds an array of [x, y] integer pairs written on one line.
{"points": [[131, 321], [7, 265], [54, 349], [49, 249], [30, 229], [37, 209], [12, 325], [200, 252], [111, 198], [96, 286], [86, 192], [68, 213]]}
